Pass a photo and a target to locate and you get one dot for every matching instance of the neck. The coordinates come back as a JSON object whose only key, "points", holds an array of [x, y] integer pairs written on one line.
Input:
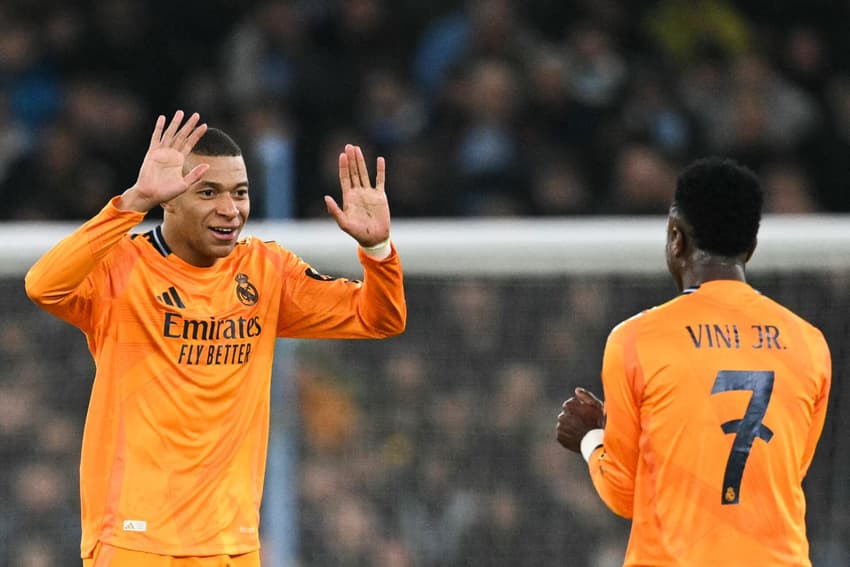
{"points": [[181, 248], [705, 268]]}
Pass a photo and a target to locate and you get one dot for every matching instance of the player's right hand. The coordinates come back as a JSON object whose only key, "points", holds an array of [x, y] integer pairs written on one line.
{"points": [[161, 175]]}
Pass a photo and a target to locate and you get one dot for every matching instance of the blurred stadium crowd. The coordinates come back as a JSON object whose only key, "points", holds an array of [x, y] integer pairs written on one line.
{"points": [[436, 448], [432, 449], [483, 107]]}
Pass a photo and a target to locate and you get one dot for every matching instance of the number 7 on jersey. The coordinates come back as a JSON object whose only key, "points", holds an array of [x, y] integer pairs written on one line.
{"points": [[746, 429]]}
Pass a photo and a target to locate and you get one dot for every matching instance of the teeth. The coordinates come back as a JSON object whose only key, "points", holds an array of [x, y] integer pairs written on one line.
{"points": [[223, 230]]}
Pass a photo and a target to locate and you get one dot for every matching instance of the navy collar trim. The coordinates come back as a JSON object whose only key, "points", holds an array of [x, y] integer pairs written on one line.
{"points": [[158, 241]]}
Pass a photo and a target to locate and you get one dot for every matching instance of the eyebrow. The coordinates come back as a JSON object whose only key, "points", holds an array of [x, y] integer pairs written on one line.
{"points": [[217, 185]]}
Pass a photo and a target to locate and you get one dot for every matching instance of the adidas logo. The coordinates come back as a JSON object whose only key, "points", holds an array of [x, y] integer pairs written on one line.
{"points": [[135, 526], [171, 298]]}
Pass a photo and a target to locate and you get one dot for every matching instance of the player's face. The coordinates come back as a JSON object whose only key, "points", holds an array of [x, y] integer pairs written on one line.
{"points": [[203, 224]]}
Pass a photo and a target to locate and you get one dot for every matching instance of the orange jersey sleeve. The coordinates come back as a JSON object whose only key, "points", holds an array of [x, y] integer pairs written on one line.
{"points": [[174, 447], [715, 402]]}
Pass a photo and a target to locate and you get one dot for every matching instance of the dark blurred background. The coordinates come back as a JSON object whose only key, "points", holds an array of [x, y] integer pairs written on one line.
{"points": [[482, 107], [435, 448]]}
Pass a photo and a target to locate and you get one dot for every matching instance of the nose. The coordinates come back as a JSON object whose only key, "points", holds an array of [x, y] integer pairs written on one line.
{"points": [[226, 206]]}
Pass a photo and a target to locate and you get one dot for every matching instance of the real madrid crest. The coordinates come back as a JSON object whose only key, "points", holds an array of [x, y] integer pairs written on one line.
{"points": [[245, 290]]}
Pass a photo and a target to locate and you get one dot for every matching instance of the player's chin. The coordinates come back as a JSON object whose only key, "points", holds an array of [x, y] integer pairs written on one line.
{"points": [[221, 249]]}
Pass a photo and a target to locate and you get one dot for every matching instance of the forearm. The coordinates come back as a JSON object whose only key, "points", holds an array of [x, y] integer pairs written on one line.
{"points": [[614, 464], [614, 485], [318, 306], [383, 306], [56, 274]]}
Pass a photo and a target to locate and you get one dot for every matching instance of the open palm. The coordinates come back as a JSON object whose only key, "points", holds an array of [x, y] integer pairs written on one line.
{"points": [[161, 175], [365, 212]]}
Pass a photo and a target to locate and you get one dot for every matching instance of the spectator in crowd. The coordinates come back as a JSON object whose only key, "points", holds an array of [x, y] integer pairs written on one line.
{"points": [[461, 83]]}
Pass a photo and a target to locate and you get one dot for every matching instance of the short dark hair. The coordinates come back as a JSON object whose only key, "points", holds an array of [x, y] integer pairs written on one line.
{"points": [[215, 142], [721, 200]]}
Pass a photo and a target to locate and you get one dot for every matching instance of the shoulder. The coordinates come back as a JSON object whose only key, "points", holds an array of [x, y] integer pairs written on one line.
{"points": [[134, 245], [647, 316], [625, 330], [802, 323], [255, 245], [254, 249]]}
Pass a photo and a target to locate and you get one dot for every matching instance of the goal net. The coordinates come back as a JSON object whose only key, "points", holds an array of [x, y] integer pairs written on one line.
{"points": [[437, 447]]}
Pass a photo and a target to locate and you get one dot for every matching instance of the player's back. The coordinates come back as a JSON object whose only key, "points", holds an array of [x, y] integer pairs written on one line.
{"points": [[732, 390]]}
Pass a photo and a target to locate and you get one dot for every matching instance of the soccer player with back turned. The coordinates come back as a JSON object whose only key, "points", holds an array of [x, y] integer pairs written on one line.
{"points": [[181, 322], [714, 401]]}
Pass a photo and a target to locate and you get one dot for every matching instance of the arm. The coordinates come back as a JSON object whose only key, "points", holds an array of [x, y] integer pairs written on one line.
{"points": [[820, 406], [606, 435], [56, 281], [613, 467], [313, 305], [318, 306]]}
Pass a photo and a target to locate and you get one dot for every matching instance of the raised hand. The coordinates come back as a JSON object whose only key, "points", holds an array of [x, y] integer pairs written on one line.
{"points": [[365, 212], [161, 174], [579, 415]]}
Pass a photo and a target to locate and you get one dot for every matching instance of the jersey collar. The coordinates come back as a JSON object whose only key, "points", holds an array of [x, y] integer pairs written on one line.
{"points": [[158, 241]]}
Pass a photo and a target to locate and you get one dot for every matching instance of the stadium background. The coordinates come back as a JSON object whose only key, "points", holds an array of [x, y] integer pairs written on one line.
{"points": [[435, 448]]}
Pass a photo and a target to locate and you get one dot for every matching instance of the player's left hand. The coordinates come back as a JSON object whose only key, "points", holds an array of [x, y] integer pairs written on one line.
{"points": [[365, 212], [579, 414]]}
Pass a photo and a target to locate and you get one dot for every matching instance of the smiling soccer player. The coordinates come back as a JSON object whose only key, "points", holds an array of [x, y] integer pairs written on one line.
{"points": [[181, 322]]}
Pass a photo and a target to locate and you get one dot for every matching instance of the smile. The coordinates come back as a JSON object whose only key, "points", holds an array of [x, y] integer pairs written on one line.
{"points": [[223, 233]]}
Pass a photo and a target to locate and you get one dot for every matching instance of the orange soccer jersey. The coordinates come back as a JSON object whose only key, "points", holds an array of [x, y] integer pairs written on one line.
{"points": [[174, 448], [715, 402]]}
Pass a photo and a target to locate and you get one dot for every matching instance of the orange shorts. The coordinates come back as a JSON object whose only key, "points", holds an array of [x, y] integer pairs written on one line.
{"points": [[108, 556]]}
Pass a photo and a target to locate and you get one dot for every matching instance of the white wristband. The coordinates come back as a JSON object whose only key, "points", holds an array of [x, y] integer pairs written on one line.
{"points": [[591, 440], [379, 250]]}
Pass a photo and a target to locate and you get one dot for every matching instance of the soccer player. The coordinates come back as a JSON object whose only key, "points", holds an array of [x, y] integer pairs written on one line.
{"points": [[714, 401], [181, 322]]}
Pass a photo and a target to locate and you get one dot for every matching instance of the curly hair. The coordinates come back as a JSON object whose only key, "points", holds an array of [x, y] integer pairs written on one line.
{"points": [[722, 202]]}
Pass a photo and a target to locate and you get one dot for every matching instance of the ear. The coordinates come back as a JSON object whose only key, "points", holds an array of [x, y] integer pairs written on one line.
{"points": [[678, 239]]}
